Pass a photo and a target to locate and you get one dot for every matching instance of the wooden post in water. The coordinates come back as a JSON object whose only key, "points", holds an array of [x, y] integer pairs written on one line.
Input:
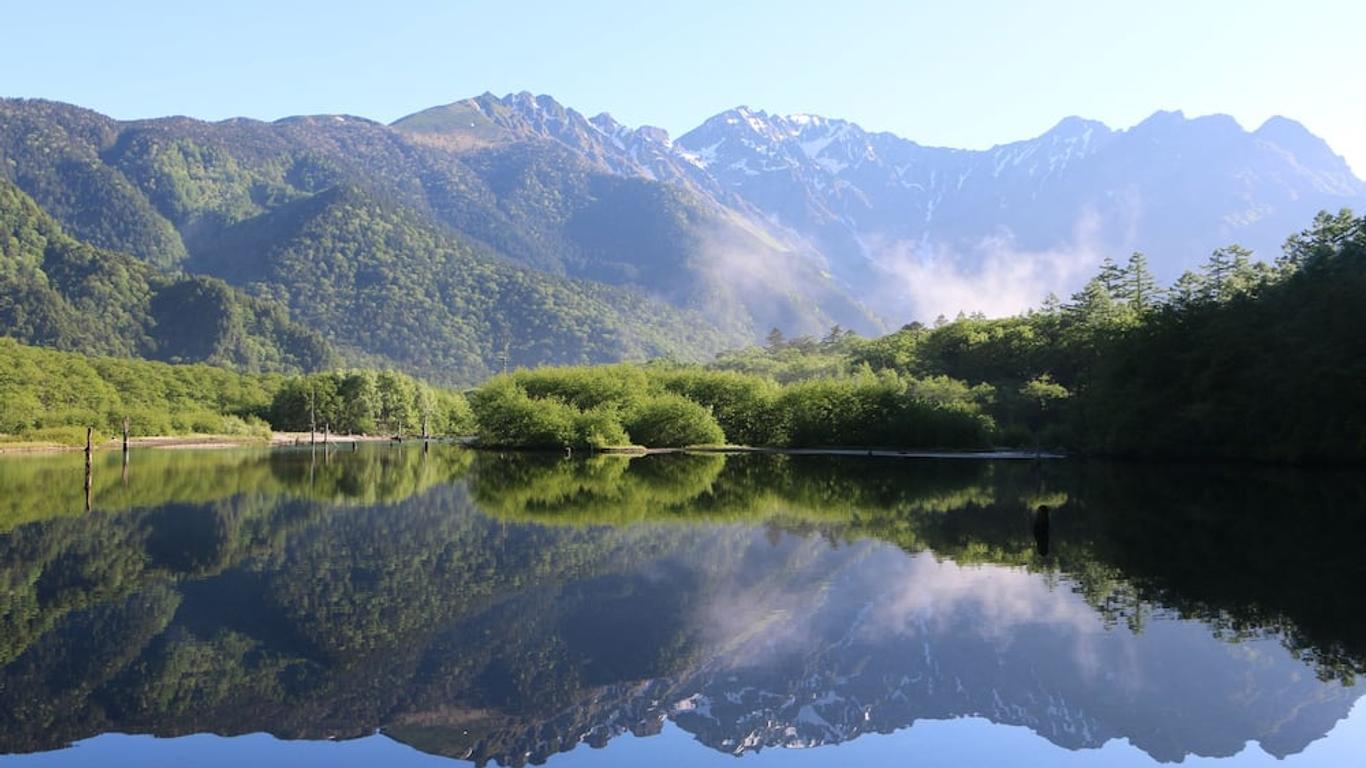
{"points": [[89, 465]]}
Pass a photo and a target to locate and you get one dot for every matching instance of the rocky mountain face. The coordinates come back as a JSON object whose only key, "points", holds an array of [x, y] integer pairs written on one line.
{"points": [[895, 221]]}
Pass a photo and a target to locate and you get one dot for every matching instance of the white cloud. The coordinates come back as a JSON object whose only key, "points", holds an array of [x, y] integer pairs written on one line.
{"points": [[993, 276]]}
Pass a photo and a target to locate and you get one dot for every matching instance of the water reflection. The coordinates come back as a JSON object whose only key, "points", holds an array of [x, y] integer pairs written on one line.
{"points": [[509, 607]]}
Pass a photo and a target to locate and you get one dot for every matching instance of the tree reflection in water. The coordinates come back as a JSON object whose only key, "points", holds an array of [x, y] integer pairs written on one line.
{"points": [[509, 606]]}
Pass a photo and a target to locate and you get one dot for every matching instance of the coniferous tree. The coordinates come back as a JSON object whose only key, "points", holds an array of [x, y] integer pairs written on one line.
{"points": [[1111, 276], [1140, 288], [1188, 290], [834, 337], [1052, 305], [1228, 273]]}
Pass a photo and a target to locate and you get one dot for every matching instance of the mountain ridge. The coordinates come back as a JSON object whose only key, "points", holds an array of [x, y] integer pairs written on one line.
{"points": [[749, 221], [877, 205]]}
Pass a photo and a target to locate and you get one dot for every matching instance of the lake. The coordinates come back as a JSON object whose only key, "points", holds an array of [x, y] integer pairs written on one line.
{"points": [[399, 606]]}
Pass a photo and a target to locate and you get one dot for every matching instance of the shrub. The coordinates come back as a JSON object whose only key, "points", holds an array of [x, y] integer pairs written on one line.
{"points": [[672, 421], [745, 406], [587, 387], [507, 416], [62, 436], [599, 428], [454, 416], [249, 426]]}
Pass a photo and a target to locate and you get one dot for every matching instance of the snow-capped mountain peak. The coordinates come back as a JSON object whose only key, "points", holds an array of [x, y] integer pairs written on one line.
{"points": [[1172, 186]]}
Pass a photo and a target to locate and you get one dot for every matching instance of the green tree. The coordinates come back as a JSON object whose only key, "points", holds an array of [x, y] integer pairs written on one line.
{"points": [[1187, 290], [1139, 287], [1112, 277]]}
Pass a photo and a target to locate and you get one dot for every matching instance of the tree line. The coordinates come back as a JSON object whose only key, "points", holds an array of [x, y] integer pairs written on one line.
{"points": [[51, 396], [1239, 359]]}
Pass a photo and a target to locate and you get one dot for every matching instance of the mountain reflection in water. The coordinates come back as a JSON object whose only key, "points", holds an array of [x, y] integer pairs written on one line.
{"points": [[510, 607]]}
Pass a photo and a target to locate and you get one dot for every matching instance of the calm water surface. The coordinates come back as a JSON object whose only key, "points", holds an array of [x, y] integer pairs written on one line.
{"points": [[400, 607]]}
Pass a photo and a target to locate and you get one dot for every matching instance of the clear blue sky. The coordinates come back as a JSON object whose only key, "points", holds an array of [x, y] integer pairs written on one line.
{"points": [[957, 74]]}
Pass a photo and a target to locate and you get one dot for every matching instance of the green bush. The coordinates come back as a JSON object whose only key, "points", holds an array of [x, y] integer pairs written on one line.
{"points": [[587, 387], [663, 406], [249, 426], [61, 436], [672, 421], [600, 428], [746, 406], [507, 416]]}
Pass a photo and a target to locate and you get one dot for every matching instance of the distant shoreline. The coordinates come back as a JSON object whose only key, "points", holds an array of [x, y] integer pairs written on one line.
{"points": [[186, 442], [294, 439], [909, 453]]}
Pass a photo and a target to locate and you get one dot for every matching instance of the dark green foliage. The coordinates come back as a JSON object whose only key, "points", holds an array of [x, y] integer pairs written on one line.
{"points": [[1261, 366], [53, 152], [58, 292], [380, 281], [1242, 360]]}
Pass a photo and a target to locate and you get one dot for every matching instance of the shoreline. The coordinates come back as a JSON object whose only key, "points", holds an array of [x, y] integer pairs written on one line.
{"points": [[301, 439], [994, 454], [191, 442]]}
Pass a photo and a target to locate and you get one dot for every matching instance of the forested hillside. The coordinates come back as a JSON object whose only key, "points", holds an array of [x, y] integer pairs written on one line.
{"points": [[58, 292], [380, 282], [171, 190]]}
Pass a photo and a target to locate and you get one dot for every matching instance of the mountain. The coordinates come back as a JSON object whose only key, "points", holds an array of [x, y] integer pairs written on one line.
{"points": [[880, 205], [636, 212], [896, 222], [515, 231], [380, 281], [169, 189], [413, 288], [63, 293]]}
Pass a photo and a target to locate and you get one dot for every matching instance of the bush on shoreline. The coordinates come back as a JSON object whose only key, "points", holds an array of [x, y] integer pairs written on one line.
{"points": [[667, 406]]}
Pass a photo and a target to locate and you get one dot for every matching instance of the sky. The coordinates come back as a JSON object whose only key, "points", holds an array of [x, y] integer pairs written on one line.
{"points": [[962, 74]]}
